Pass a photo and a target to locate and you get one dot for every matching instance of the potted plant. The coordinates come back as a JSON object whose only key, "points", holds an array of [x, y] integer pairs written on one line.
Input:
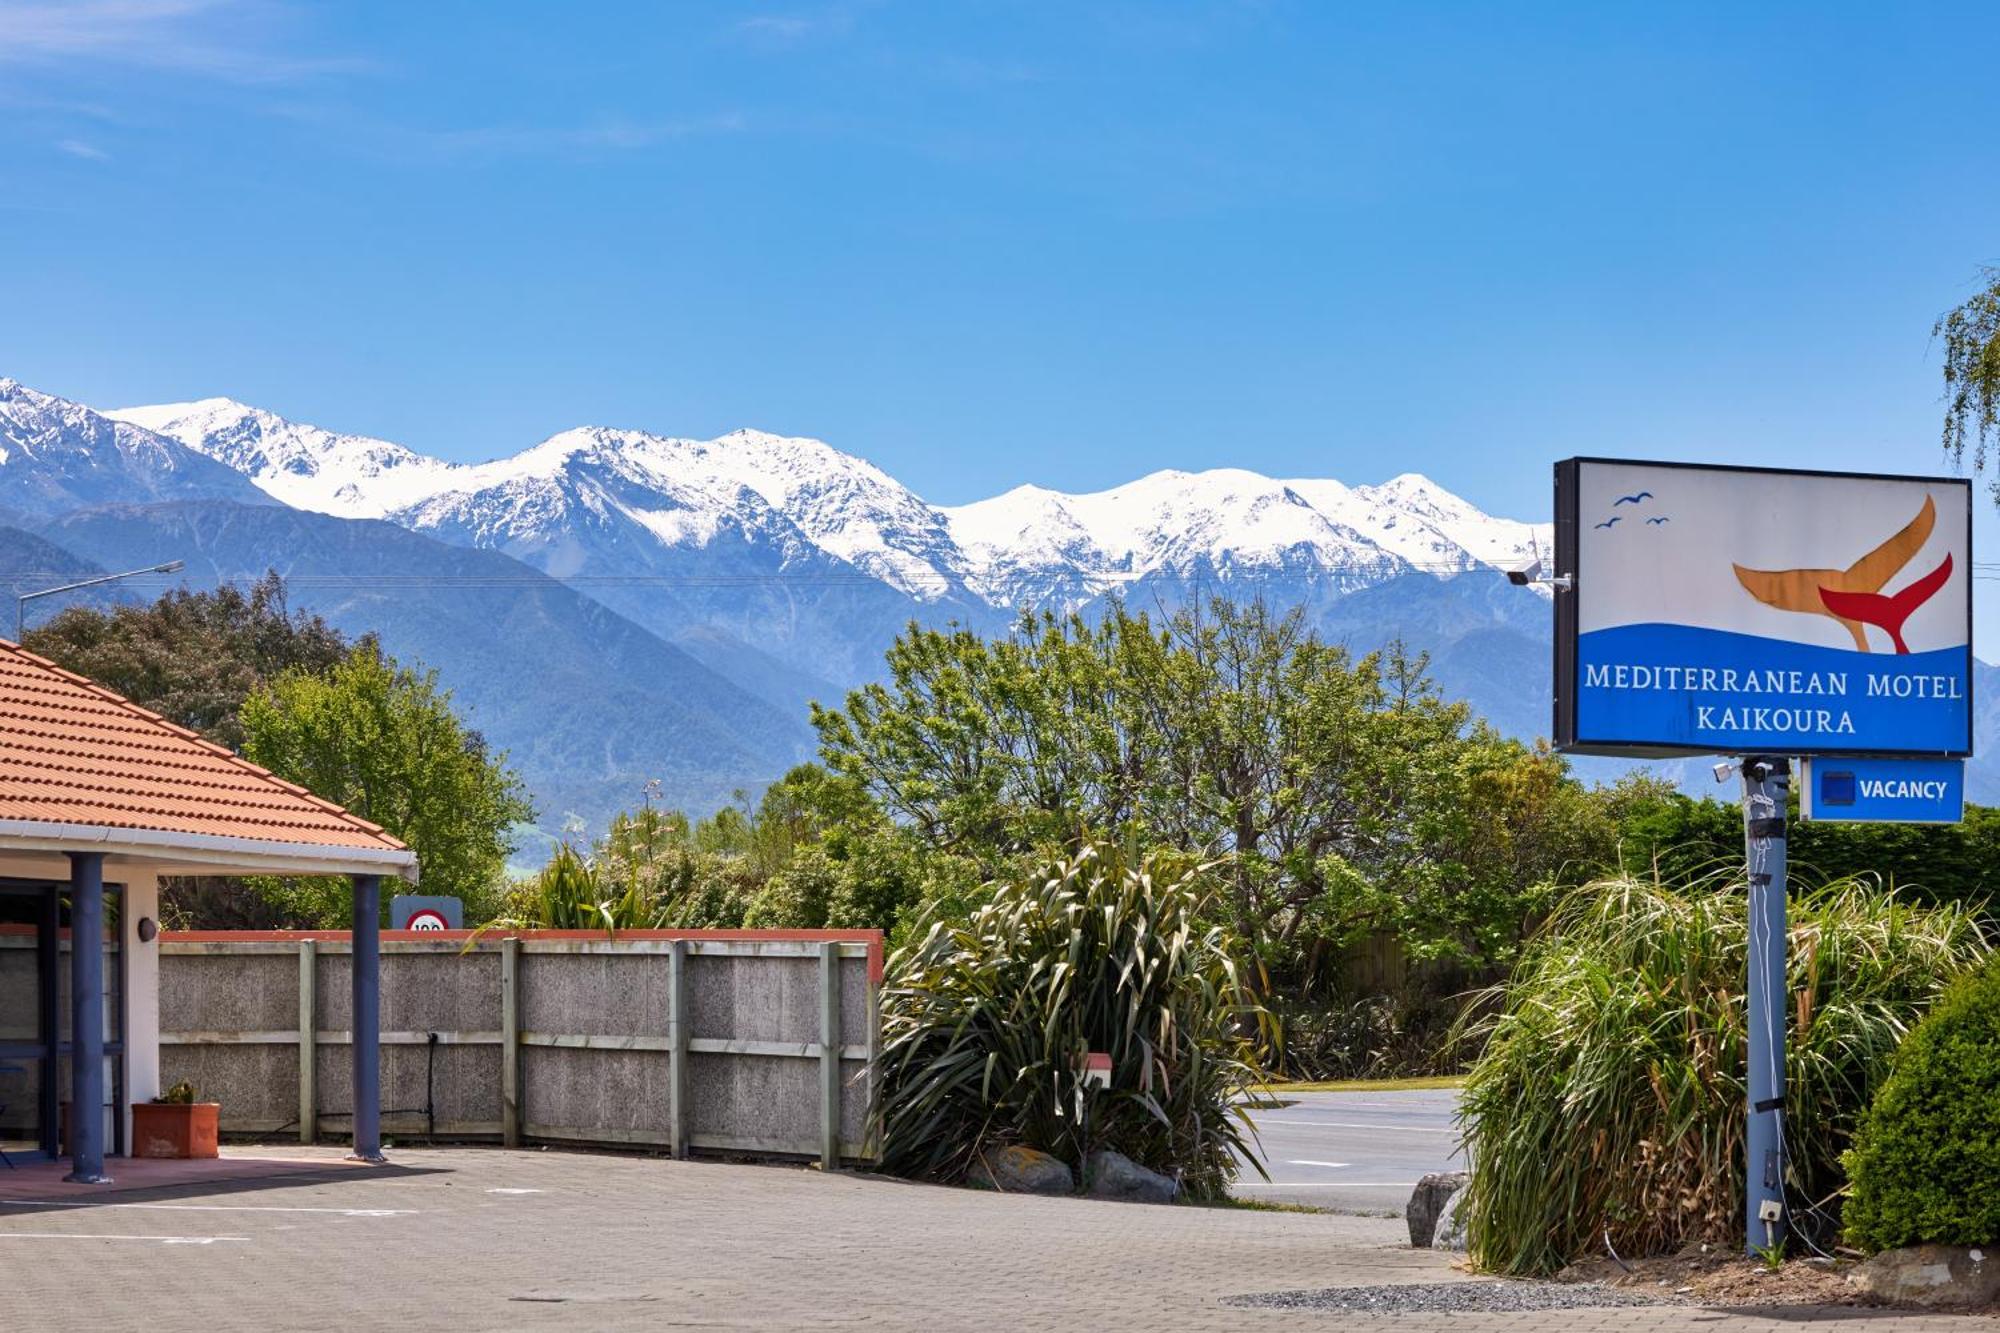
{"points": [[174, 1124]]}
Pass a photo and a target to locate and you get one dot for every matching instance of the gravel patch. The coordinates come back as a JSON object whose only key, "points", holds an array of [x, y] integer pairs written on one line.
{"points": [[1450, 1298]]}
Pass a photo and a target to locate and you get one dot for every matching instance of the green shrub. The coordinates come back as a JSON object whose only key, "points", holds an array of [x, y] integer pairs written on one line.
{"points": [[796, 898], [1609, 1099], [570, 893], [1925, 1164], [987, 1018]]}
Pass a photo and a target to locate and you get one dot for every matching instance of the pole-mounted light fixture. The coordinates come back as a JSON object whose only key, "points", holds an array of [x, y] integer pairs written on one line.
{"points": [[21, 601]]}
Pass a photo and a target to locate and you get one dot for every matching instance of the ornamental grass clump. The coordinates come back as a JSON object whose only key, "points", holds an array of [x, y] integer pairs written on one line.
{"points": [[986, 1023], [1608, 1104]]}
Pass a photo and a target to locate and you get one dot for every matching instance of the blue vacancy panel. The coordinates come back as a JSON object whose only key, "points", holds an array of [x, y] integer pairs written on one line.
{"points": [[1899, 791]]}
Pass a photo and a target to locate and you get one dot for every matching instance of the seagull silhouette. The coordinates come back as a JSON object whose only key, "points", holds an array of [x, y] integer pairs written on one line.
{"points": [[1655, 522], [1631, 499], [1609, 521]]}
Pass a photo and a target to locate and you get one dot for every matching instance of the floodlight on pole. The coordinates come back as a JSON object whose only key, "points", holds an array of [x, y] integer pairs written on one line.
{"points": [[21, 601]]}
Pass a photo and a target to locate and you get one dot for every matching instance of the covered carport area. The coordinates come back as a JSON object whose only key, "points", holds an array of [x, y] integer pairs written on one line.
{"points": [[100, 799]]}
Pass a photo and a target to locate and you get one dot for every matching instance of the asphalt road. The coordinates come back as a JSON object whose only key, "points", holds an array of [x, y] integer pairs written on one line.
{"points": [[1352, 1152]]}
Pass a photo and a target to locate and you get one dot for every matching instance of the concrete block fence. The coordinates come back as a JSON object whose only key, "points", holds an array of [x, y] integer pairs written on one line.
{"points": [[755, 1042]]}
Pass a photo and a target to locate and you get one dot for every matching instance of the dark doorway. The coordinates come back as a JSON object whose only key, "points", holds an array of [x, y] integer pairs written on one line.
{"points": [[35, 1018]]}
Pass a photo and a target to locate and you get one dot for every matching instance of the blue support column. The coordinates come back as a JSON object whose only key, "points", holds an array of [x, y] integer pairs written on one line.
{"points": [[367, 1018], [1765, 785], [86, 1022]]}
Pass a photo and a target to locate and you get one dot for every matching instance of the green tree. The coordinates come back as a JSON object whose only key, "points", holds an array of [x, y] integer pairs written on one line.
{"points": [[382, 740], [1336, 796], [1971, 336], [193, 657]]}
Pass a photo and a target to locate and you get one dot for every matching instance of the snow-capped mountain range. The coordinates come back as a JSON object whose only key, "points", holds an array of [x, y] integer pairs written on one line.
{"points": [[800, 498], [615, 606]]}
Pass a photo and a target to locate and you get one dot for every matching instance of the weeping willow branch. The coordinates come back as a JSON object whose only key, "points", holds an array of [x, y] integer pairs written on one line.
{"points": [[1971, 336]]}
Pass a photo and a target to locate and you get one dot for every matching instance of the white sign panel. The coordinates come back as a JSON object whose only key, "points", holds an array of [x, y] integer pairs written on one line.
{"points": [[1749, 611]]}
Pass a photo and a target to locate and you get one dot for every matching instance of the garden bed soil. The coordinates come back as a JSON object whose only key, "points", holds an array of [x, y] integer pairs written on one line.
{"points": [[1718, 1277]]}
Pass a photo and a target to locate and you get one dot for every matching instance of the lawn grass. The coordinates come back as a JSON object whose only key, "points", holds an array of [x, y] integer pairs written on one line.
{"points": [[1367, 1085]]}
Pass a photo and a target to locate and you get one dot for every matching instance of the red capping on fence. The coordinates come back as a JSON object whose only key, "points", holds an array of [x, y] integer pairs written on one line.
{"points": [[872, 938]]}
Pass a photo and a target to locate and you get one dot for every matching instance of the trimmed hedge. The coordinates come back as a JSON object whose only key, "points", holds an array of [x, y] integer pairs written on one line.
{"points": [[1925, 1165]]}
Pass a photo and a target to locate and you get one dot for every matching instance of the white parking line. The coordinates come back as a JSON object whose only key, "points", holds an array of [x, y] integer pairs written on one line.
{"points": [[515, 1191], [86, 1235], [208, 1207], [1307, 1161]]}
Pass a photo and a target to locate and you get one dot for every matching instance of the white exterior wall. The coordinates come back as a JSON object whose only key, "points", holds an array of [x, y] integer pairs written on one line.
{"points": [[142, 993]]}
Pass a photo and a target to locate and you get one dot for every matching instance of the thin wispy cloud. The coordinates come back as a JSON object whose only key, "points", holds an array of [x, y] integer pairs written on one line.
{"points": [[18, 99], [599, 139], [782, 27], [792, 27], [611, 136], [89, 152], [230, 40]]}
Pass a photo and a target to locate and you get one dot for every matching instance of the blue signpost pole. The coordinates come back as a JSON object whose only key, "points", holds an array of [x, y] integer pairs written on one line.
{"points": [[366, 994], [86, 1023], [1765, 785]]}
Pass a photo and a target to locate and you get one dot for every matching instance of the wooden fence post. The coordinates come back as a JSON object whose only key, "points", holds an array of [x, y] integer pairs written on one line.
{"points": [[680, 1035], [308, 1041], [829, 1055], [510, 1042], [871, 1140]]}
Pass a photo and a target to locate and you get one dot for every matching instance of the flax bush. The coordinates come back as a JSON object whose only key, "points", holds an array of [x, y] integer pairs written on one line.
{"points": [[986, 1020], [1609, 1101]]}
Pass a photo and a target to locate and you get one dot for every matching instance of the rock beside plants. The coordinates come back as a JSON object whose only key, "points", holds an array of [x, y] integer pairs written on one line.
{"points": [[1427, 1202], [1019, 1170], [1932, 1275], [1451, 1222], [1113, 1175]]}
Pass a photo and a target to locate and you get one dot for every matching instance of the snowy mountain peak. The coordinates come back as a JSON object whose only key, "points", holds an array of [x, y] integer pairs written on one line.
{"points": [[55, 452], [799, 498], [304, 466]]}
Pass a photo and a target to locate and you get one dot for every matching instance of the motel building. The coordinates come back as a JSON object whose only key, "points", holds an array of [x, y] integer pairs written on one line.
{"points": [[98, 800]]}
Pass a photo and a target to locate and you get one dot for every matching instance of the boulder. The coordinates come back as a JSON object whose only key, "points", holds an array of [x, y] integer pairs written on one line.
{"points": [[1427, 1201], [1451, 1222], [1113, 1175], [1934, 1275], [1019, 1170]]}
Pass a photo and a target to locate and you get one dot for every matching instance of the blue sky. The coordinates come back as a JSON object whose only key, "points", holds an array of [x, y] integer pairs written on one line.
{"points": [[982, 244]]}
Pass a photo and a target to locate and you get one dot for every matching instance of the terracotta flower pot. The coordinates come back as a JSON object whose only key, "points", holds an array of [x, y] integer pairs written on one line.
{"points": [[175, 1129]]}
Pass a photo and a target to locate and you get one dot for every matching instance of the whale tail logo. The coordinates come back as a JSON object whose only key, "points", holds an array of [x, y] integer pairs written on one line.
{"points": [[1853, 596]]}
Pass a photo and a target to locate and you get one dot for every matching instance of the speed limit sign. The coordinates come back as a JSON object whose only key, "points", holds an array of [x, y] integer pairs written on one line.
{"points": [[427, 918]]}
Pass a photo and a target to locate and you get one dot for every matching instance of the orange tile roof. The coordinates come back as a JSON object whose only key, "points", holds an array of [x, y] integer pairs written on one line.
{"points": [[72, 752]]}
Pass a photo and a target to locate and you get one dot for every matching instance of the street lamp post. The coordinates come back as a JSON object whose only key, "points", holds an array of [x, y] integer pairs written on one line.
{"points": [[21, 601]]}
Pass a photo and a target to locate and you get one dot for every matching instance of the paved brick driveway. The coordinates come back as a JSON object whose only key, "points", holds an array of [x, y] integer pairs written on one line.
{"points": [[480, 1238]]}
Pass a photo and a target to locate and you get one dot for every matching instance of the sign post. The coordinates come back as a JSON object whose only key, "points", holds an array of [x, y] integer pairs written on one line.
{"points": [[1771, 615], [419, 911], [1766, 783]]}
